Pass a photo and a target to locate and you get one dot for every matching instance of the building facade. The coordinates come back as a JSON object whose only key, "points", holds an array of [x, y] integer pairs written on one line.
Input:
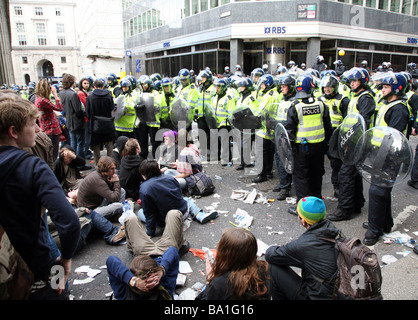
{"points": [[165, 36], [100, 37], [44, 42]]}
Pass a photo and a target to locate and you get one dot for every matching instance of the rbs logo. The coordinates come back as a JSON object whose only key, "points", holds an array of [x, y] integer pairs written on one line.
{"points": [[276, 50], [274, 30]]}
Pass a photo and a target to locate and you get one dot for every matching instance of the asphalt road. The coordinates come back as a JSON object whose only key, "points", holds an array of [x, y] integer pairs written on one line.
{"points": [[271, 224]]}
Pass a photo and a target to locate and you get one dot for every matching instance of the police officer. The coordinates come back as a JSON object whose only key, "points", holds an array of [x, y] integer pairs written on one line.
{"points": [[351, 198], [222, 103], [267, 109], [393, 114], [309, 128], [187, 90], [114, 87], [205, 118], [288, 90], [124, 126], [167, 97], [145, 131], [246, 99], [337, 105]]}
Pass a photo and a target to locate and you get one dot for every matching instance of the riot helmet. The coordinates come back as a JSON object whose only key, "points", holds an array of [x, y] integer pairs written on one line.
{"points": [[359, 74], [268, 82], [222, 84], [184, 77], [304, 86], [329, 81], [112, 80], [289, 81]]}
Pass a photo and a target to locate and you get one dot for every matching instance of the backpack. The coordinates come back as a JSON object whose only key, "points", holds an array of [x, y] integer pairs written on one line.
{"points": [[359, 275], [16, 278], [200, 184]]}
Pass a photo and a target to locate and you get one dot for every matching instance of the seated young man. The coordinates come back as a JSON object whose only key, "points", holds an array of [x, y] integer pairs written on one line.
{"points": [[311, 252], [101, 190], [66, 169], [146, 278]]}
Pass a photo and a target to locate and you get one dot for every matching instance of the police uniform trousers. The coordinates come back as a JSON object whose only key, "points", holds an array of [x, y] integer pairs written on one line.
{"points": [[308, 169], [351, 189], [266, 151], [141, 134], [380, 210], [335, 166], [414, 173]]}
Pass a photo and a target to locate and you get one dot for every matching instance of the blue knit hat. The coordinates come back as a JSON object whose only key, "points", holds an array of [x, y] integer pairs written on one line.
{"points": [[311, 209]]}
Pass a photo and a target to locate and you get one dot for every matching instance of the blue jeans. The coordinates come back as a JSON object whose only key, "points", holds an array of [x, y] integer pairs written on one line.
{"points": [[193, 210], [77, 139], [101, 225], [182, 181]]}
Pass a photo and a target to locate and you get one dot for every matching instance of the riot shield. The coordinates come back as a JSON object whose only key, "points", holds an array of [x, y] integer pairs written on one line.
{"points": [[351, 138], [333, 149], [119, 107], [244, 119], [210, 116], [181, 111], [386, 157], [284, 148], [147, 108]]}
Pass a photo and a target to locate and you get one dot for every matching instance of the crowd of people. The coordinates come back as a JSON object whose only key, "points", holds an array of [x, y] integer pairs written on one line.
{"points": [[150, 155]]}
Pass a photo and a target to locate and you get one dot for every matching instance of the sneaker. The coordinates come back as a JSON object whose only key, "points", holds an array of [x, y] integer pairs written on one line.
{"points": [[184, 248], [119, 236], [204, 217]]}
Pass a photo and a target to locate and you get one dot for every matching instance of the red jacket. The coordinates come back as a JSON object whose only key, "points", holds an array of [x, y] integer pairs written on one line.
{"points": [[48, 121]]}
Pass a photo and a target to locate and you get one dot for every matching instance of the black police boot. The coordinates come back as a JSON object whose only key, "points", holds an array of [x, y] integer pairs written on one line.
{"points": [[260, 178], [283, 194], [370, 238], [292, 210], [340, 215]]}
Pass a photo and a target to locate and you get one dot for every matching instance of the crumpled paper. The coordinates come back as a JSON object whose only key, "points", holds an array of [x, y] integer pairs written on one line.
{"points": [[248, 197]]}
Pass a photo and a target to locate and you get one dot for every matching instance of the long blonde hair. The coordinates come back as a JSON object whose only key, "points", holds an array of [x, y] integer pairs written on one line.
{"points": [[43, 89]]}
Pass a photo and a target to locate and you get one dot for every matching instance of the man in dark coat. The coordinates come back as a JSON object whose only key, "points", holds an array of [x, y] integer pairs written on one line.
{"points": [[99, 103], [311, 252], [74, 113]]}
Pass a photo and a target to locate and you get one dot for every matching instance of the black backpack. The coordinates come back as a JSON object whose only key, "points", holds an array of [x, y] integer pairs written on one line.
{"points": [[200, 184]]}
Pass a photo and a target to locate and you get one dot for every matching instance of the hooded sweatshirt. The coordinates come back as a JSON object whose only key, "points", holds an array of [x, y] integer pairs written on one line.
{"points": [[31, 186], [129, 175]]}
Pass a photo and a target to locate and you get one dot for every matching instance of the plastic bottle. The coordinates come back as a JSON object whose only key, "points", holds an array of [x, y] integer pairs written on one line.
{"points": [[127, 211]]}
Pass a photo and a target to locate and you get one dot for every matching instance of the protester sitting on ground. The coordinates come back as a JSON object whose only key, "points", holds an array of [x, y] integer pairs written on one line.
{"points": [[146, 278], [100, 190], [66, 169], [117, 150], [129, 176], [236, 273], [311, 252], [189, 161], [90, 220], [168, 150], [158, 186]]}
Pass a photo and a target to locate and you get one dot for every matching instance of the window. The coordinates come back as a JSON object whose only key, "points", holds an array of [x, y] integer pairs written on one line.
{"points": [[415, 8], [18, 11], [371, 3], [22, 39], [20, 27], [42, 40], [358, 2], [61, 40], [395, 5], [60, 28], [38, 11], [24, 60], [63, 59], [383, 4], [40, 27], [58, 12], [406, 8]]}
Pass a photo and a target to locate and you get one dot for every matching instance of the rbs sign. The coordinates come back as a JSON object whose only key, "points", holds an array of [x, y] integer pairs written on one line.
{"points": [[274, 30]]}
